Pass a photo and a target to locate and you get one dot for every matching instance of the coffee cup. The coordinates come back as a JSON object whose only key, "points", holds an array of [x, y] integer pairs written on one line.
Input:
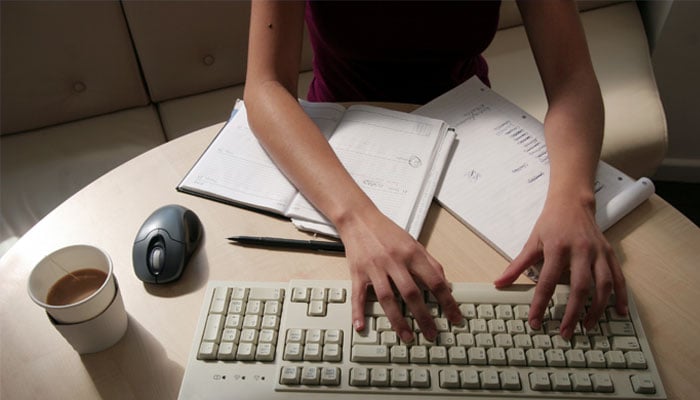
{"points": [[77, 288]]}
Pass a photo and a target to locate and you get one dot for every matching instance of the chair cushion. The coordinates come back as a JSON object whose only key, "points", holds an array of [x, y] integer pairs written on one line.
{"points": [[187, 114], [40, 169], [62, 61]]}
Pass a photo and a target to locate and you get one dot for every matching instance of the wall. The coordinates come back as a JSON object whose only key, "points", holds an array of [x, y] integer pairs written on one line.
{"points": [[675, 42]]}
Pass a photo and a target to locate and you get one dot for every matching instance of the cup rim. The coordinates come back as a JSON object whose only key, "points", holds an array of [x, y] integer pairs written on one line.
{"points": [[110, 276]]}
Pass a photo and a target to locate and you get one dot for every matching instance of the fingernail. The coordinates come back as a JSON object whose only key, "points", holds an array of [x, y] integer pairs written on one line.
{"points": [[357, 324], [407, 337], [535, 323]]}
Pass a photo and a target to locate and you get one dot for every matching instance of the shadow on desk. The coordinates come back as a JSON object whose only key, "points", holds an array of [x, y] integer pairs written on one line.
{"points": [[136, 367]]}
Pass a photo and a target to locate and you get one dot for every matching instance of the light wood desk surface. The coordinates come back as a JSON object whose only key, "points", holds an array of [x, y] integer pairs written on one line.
{"points": [[657, 246]]}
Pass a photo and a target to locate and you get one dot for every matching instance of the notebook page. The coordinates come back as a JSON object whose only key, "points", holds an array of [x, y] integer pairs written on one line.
{"points": [[235, 168], [388, 154]]}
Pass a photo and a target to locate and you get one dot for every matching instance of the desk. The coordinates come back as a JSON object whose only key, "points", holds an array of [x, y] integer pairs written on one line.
{"points": [[657, 246]]}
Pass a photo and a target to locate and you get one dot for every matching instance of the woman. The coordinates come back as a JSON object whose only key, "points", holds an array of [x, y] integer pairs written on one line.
{"points": [[372, 52]]}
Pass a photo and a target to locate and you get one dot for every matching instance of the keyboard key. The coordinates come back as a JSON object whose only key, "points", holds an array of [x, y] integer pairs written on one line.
{"points": [[332, 352], [625, 343], [437, 355], [310, 375], [539, 381], [510, 380], [470, 378], [399, 354], [602, 383], [359, 376], [468, 311], [293, 352], [504, 312], [212, 329], [227, 351], [312, 352], [246, 351], [595, 359], [314, 336], [643, 383], [219, 300], [330, 376], [420, 378], [536, 358], [400, 377], [516, 357], [379, 377], [265, 352], [300, 295], [615, 359], [317, 308], [333, 336], [581, 382], [370, 353], [555, 358], [207, 351], [418, 354], [365, 337], [336, 295], [449, 378], [560, 381], [477, 355], [262, 293], [273, 308], [290, 375], [490, 380], [496, 356], [296, 335], [457, 355], [635, 360], [575, 358]]}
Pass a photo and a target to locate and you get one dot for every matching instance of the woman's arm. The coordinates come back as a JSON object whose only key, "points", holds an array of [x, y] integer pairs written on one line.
{"points": [[566, 235], [378, 251]]}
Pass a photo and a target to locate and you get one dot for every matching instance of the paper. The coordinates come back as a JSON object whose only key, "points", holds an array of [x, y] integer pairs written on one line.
{"points": [[497, 178]]}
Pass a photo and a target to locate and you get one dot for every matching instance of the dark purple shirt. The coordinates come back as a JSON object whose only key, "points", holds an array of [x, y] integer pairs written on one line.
{"points": [[408, 52]]}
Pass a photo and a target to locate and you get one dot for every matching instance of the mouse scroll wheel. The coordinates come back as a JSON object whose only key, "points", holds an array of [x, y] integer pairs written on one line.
{"points": [[156, 257]]}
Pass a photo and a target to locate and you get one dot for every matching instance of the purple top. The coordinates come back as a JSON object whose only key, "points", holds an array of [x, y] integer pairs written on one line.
{"points": [[408, 52]]}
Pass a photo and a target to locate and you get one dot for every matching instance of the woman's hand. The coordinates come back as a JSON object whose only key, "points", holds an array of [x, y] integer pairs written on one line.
{"points": [[383, 255], [567, 237]]}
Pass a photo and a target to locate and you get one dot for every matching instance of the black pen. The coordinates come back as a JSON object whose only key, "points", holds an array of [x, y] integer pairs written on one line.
{"points": [[316, 245]]}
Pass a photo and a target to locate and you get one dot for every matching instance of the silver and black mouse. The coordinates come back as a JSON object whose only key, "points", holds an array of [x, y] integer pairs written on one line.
{"points": [[165, 243]]}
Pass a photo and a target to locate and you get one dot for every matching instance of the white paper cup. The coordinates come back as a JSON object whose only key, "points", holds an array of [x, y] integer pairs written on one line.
{"points": [[92, 323], [63, 262]]}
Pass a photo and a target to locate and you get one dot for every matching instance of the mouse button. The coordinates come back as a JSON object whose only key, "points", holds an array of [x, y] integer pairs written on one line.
{"points": [[193, 226], [156, 254]]}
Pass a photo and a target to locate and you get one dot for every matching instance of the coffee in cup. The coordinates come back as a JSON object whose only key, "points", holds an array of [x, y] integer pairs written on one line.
{"points": [[75, 286]]}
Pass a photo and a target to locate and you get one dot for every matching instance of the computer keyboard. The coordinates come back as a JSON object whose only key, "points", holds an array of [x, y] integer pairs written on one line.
{"points": [[274, 340]]}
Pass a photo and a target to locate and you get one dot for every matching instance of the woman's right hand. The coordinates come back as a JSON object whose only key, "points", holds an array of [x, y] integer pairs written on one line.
{"points": [[382, 255]]}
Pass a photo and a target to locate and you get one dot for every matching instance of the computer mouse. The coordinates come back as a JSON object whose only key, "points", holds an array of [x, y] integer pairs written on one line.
{"points": [[165, 242]]}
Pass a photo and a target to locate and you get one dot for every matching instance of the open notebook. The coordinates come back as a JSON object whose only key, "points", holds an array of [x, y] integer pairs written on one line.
{"points": [[497, 177], [396, 158]]}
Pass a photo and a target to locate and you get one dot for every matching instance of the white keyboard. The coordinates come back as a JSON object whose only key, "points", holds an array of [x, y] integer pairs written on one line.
{"points": [[265, 340]]}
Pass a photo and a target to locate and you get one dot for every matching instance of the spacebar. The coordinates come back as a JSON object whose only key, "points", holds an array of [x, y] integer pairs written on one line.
{"points": [[369, 353]]}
